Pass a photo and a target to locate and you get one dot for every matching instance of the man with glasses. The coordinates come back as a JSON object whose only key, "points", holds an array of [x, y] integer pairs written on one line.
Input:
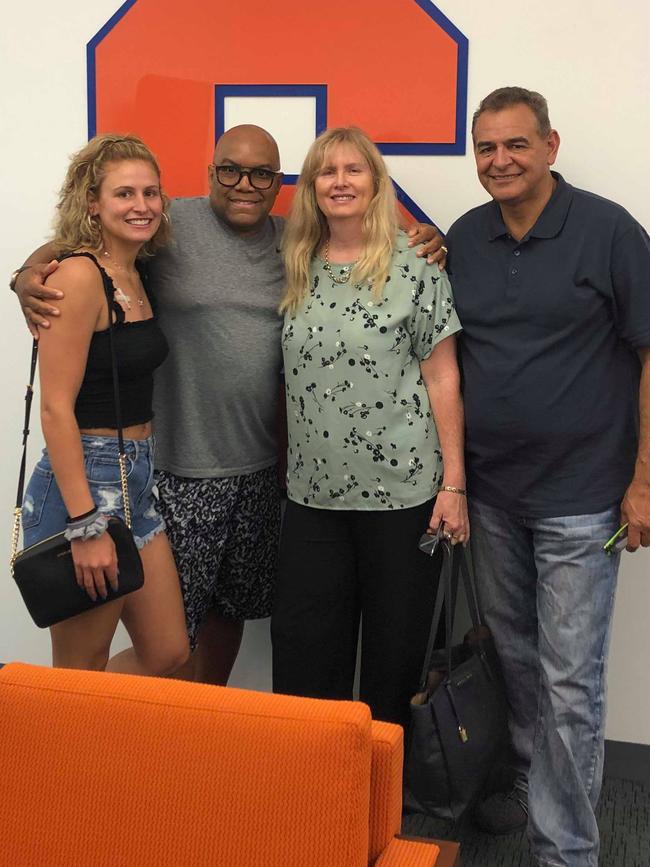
{"points": [[217, 396]]}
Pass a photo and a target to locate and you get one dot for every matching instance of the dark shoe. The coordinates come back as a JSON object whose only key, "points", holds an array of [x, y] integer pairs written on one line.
{"points": [[503, 813]]}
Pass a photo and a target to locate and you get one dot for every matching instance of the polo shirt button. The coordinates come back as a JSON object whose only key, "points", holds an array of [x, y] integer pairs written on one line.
{"points": [[514, 271], [517, 252]]}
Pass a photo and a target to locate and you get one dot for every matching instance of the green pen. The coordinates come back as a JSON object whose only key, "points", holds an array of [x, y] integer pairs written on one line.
{"points": [[617, 542]]}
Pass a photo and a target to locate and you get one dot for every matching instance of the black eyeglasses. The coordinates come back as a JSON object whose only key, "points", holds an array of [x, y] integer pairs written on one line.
{"points": [[231, 175]]}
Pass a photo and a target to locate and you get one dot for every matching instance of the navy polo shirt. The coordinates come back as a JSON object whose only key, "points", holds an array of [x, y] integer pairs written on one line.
{"points": [[551, 325]]}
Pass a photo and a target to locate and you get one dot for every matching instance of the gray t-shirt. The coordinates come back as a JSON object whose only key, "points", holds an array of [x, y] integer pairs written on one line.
{"points": [[216, 396]]}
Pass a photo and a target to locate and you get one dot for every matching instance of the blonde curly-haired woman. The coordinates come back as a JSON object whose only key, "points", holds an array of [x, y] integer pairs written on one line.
{"points": [[111, 211]]}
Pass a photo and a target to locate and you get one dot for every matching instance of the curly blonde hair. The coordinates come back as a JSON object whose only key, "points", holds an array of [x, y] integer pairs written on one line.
{"points": [[73, 225], [307, 227]]}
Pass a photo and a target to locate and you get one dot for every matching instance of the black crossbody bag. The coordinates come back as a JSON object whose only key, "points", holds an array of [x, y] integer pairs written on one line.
{"points": [[45, 572]]}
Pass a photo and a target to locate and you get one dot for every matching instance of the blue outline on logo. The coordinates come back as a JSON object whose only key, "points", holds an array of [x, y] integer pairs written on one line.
{"points": [[316, 91], [413, 209], [458, 146], [91, 67]]}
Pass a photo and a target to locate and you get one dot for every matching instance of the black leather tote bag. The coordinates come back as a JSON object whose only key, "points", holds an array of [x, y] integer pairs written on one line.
{"points": [[458, 717]]}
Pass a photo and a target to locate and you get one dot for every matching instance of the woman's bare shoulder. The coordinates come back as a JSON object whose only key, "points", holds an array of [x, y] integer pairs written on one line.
{"points": [[76, 273]]}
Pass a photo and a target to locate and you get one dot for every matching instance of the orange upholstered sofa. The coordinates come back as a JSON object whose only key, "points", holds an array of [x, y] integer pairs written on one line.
{"points": [[106, 770]]}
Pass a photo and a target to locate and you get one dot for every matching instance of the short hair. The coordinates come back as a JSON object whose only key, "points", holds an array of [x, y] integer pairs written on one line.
{"points": [[505, 97], [307, 227], [73, 226]]}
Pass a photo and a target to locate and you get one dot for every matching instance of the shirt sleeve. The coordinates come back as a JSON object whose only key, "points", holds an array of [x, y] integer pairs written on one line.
{"points": [[434, 316], [630, 274]]}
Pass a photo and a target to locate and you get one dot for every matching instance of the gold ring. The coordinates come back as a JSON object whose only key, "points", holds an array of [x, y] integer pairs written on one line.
{"points": [[442, 247]]}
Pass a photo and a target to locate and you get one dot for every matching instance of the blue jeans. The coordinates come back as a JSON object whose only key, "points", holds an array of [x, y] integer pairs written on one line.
{"points": [[547, 590], [44, 512]]}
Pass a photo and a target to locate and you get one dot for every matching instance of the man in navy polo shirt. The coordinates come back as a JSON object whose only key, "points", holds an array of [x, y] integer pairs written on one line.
{"points": [[552, 285]]}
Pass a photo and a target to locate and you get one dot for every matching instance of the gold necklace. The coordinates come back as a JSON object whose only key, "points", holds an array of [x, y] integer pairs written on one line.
{"points": [[120, 294], [347, 269]]}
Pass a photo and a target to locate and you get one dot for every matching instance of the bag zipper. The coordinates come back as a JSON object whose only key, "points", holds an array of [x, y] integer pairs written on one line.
{"points": [[462, 731]]}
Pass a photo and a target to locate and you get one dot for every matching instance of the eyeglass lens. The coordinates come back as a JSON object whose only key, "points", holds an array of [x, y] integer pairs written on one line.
{"points": [[230, 176]]}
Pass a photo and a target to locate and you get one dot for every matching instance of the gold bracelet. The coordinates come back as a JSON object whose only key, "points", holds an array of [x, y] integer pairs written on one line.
{"points": [[453, 490], [16, 274]]}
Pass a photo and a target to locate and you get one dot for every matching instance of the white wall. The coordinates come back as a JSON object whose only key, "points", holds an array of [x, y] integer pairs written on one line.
{"points": [[589, 59]]}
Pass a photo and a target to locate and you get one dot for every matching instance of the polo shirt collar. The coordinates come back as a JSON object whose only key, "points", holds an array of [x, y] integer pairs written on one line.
{"points": [[550, 221]]}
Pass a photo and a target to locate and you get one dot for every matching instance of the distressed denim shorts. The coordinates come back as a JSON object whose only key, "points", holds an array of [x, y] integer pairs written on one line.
{"points": [[44, 512]]}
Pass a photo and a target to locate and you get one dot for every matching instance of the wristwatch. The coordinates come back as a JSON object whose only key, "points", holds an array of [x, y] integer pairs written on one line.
{"points": [[15, 275]]}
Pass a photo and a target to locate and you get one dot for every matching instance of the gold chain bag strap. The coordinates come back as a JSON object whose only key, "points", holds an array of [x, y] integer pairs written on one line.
{"points": [[44, 572]]}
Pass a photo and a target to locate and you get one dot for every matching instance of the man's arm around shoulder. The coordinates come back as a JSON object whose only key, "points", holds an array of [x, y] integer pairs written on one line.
{"points": [[32, 291]]}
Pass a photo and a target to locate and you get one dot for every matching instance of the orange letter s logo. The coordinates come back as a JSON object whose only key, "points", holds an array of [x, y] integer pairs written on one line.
{"points": [[166, 70]]}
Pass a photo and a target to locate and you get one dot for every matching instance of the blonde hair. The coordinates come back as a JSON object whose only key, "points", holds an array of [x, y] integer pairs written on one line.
{"points": [[73, 225], [307, 227]]}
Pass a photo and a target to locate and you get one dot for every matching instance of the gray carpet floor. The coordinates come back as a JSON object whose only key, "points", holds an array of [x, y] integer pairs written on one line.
{"points": [[623, 819]]}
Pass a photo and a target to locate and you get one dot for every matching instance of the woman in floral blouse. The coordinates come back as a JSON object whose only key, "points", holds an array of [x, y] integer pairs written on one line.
{"points": [[375, 422]]}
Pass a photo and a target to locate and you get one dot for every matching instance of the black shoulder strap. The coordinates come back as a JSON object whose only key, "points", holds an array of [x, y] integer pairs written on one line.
{"points": [[29, 394], [107, 282]]}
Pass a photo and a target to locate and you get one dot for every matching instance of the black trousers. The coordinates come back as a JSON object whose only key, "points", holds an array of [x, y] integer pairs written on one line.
{"points": [[340, 567]]}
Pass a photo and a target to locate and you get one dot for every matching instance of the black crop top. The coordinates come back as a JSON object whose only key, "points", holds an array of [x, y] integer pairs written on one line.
{"points": [[140, 347]]}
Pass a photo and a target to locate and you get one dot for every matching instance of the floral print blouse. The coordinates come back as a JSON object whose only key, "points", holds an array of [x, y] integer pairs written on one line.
{"points": [[361, 432]]}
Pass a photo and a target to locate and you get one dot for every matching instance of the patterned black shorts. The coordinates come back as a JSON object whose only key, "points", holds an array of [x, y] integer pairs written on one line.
{"points": [[224, 534]]}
